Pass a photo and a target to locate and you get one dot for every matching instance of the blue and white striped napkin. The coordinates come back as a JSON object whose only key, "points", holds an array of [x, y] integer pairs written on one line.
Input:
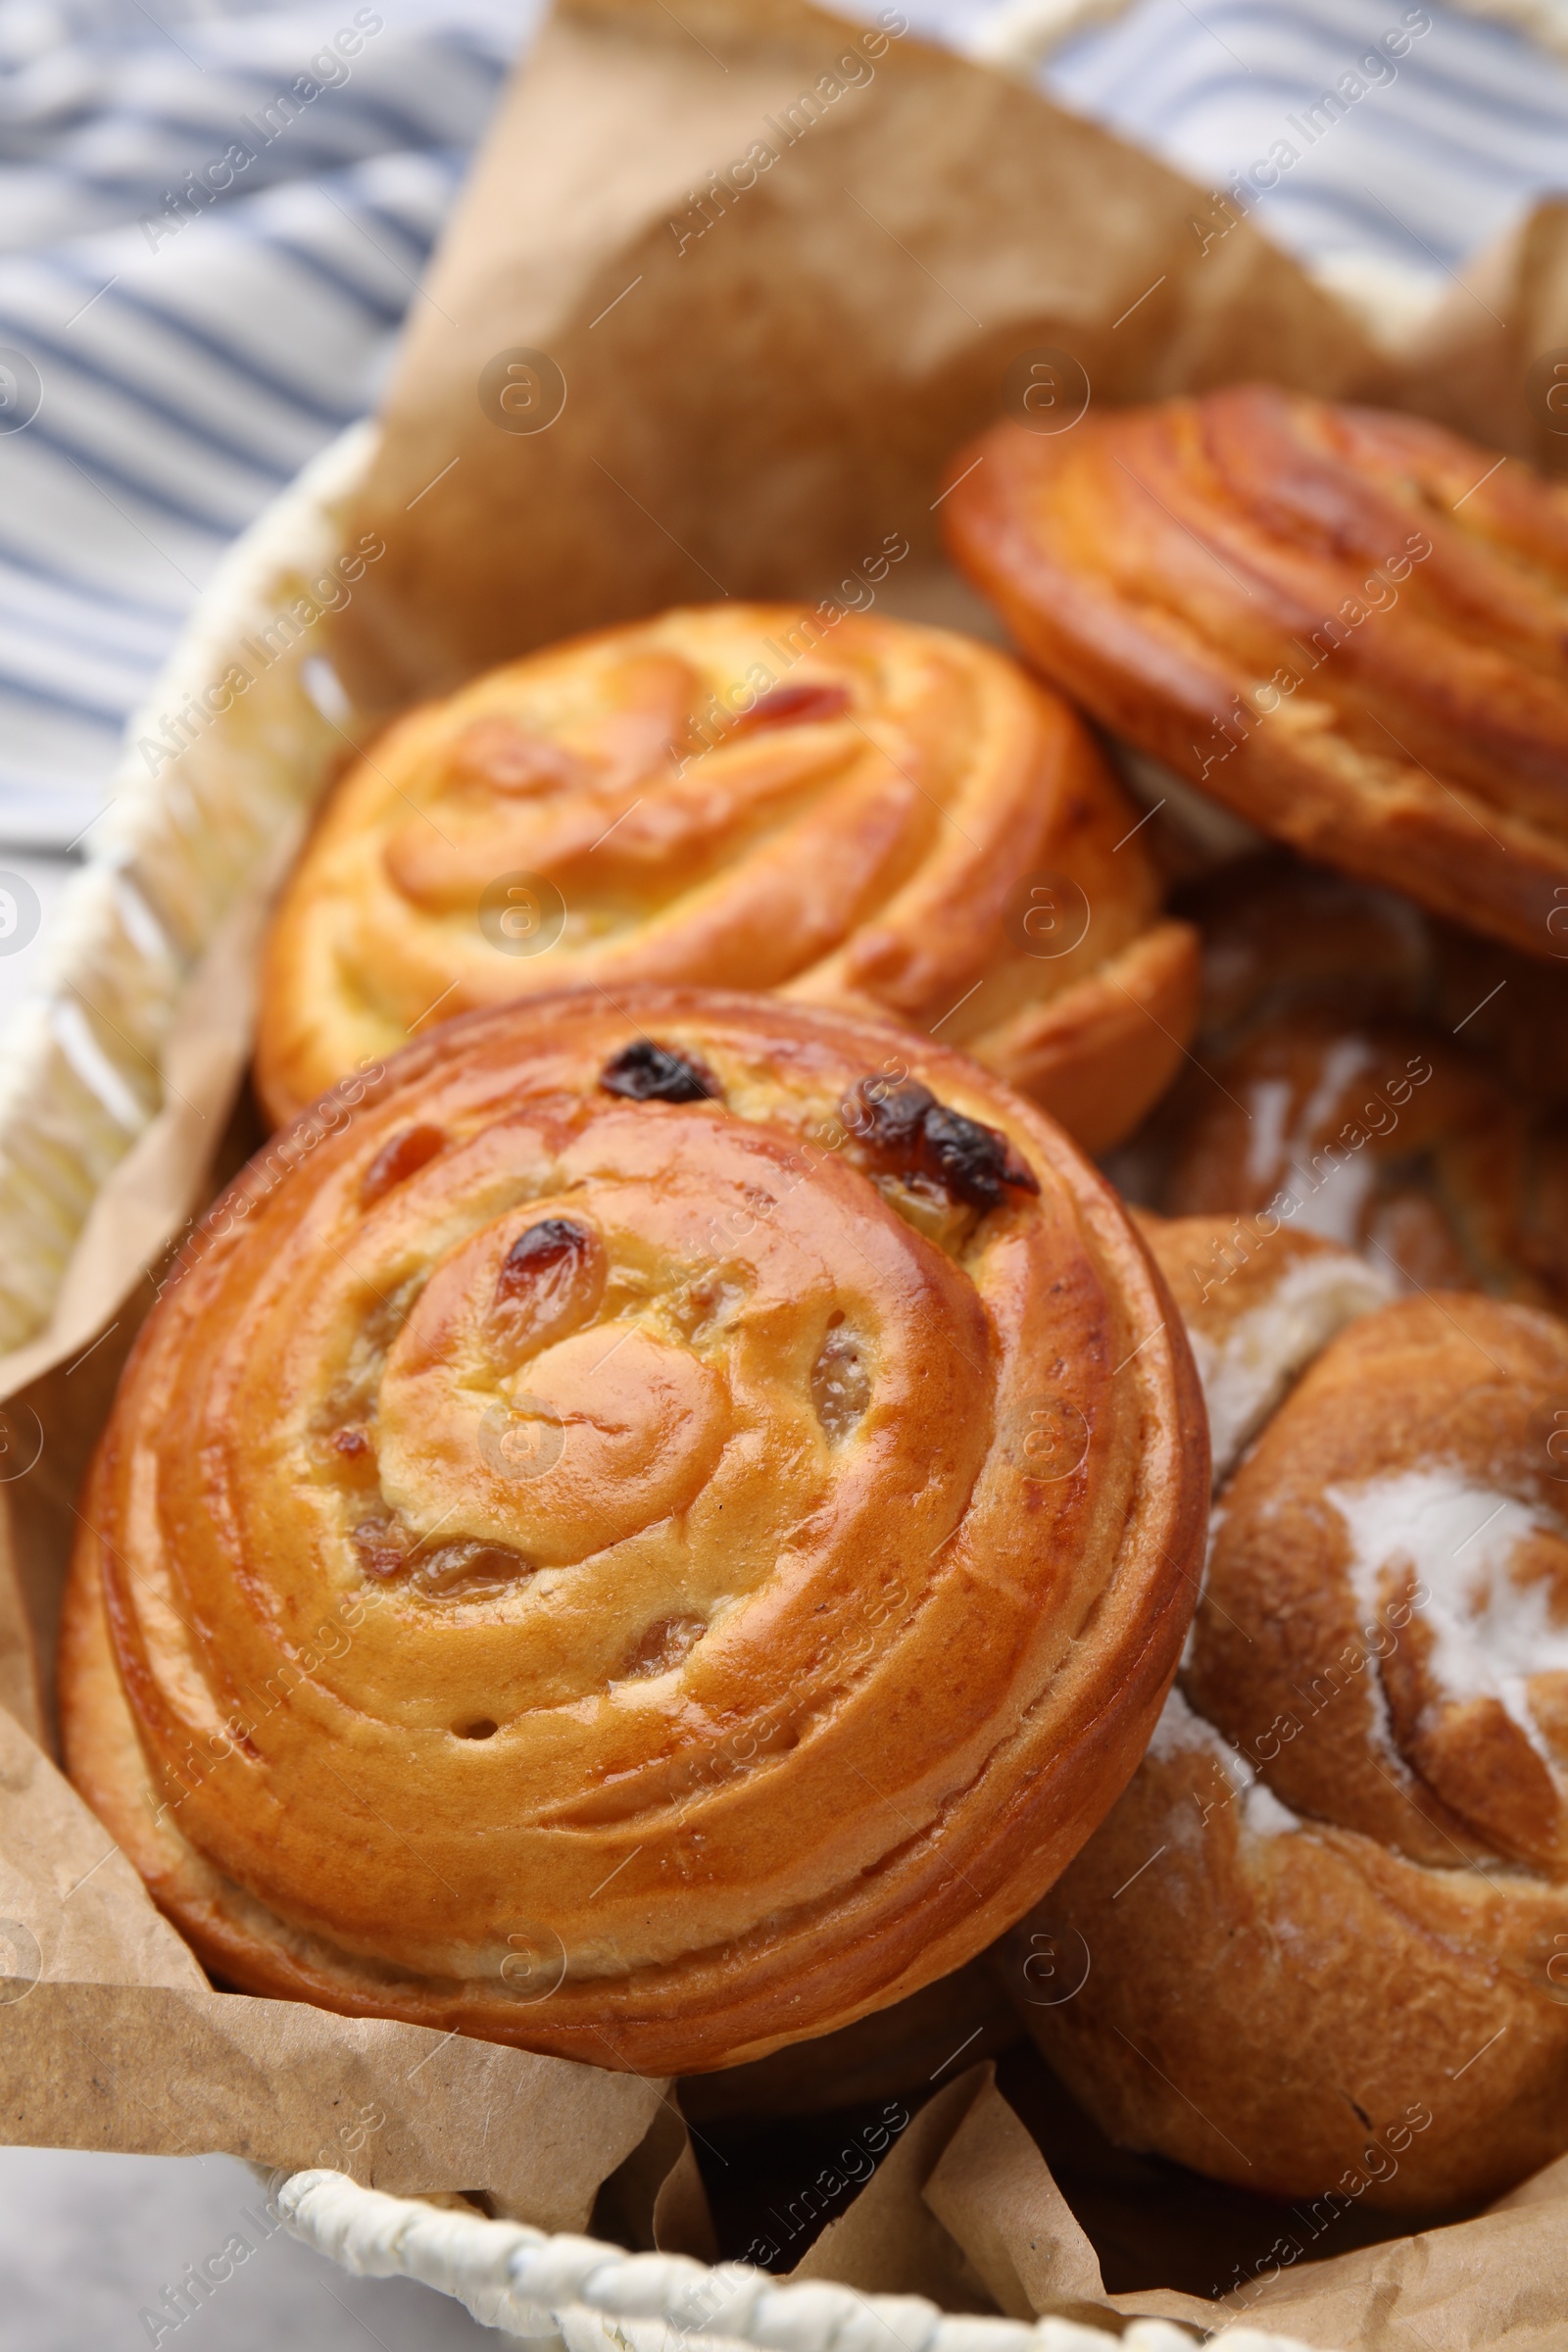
{"points": [[212, 216], [209, 230]]}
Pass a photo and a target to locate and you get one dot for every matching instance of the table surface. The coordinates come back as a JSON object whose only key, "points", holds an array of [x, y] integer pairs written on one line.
{"points": [[90, 2246]]}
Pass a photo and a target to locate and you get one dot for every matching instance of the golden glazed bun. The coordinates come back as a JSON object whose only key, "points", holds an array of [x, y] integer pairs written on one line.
{"points": [[652, 1530], [1327, 1926], [869, 814], [1362, 1074], [1345, 624]]}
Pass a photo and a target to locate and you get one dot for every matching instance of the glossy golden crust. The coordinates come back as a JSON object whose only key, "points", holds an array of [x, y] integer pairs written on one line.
{"points": [[1329, 1919], [1347, 624], [888, 818], [647, 1579]]}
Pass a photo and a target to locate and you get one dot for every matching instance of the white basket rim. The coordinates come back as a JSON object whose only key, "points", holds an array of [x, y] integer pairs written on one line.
{"points": [[514, 2277]]}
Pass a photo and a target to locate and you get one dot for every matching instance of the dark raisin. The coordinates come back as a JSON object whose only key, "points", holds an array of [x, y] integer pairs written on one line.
{"points": [[910, 1133], [794, 706], [397, 1161], [544, 1250], [382, 1545], [977, 1164], [352, 1439], [648, 1073], [549, 1283], [892, 1120]]}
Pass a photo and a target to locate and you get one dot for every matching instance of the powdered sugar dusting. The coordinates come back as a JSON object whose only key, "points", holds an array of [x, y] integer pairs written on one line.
{"points": [[1180, 1731], [1325, 1189], [1345, 1060], [1489, 1633], [1247, 1369], [1269, 1100], [1263, 1814]]}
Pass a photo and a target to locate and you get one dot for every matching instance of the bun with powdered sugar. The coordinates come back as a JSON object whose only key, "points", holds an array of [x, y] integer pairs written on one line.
{"points": [[1327, 1925], [1372, 1077]]}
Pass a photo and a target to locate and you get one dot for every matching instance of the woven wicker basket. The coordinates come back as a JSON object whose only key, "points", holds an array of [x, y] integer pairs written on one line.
{"points": [[182, 839], [573, 2293]]}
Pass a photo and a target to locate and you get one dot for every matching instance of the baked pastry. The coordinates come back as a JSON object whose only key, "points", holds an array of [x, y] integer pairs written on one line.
{"points": [[1333, 1088], [1258, 1303], [1347, 625], [857, 812], [1253, 1318], [1281, 937], [1379, 1137], [1327, 1925], [651, 1531]]}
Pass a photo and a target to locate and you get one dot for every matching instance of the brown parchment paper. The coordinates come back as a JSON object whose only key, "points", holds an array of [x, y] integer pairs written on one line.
{"points": [[637, 375], [756, 392], [966, 2209], [112, 2037]]}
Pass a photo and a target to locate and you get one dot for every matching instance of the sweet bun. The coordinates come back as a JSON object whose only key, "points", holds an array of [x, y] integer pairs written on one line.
{"points": [[1258, 1307], [1381, 1138], [1327, 1926], [1334, 1087], [863, 813], [1345, 624], [649, 1531], [1281, 936]]}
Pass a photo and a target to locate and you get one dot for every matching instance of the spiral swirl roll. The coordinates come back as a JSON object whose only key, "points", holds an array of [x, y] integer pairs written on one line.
{"points": [[852, 811], [1345, 624], [654, 1530], [1329, 1919]]}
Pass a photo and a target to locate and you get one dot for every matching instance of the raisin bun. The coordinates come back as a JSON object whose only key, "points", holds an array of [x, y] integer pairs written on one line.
{"points": [[651, 1531], [858, 812]]}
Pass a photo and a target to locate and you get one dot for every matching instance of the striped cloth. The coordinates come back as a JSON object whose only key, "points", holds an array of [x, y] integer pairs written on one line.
{"points": [[1435, 142], [213, 218], [192, 349]]}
